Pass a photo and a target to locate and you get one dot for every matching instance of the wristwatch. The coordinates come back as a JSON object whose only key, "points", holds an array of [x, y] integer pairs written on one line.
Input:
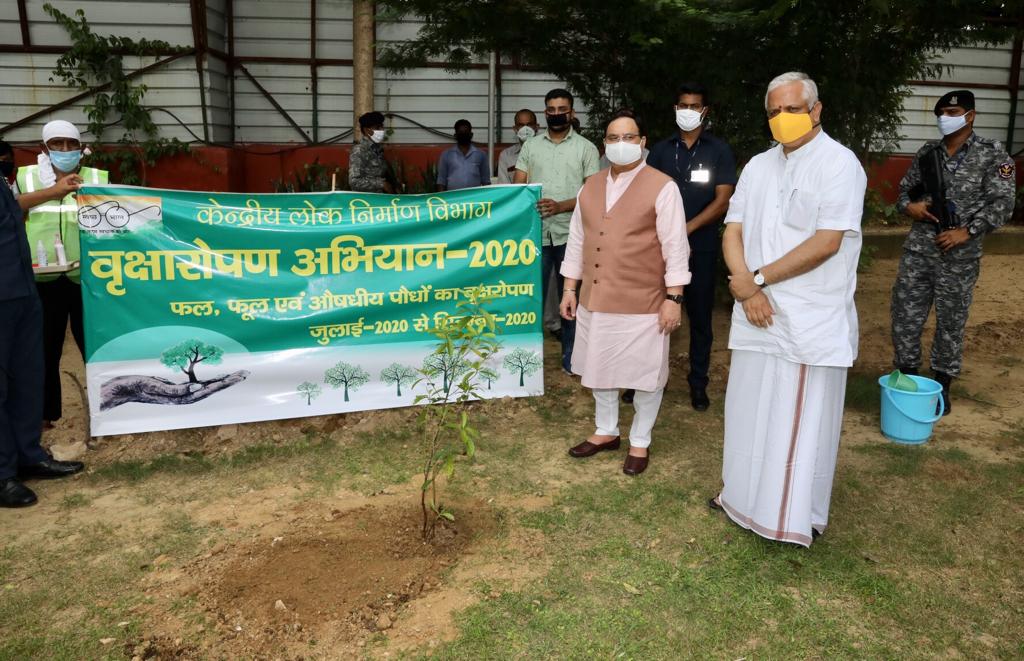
{"points": [[675, 298], [759, 278]]}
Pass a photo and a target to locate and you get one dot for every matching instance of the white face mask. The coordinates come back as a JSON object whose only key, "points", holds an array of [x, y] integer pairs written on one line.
{"points": [[624, 153], [687, 119], [525, 133], [949, 125], [377, 137]]}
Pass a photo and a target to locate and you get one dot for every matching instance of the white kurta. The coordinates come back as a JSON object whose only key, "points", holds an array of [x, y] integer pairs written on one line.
{"points": [[781, 202], [787, 383], [627, 350]]}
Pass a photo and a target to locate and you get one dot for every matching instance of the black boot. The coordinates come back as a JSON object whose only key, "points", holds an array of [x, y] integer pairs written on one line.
{"points": [[945, 380]]}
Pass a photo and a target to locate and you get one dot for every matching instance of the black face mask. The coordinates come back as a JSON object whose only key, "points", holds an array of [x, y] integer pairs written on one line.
{"points": [[559, 122], [463, 138], [7, 168]]}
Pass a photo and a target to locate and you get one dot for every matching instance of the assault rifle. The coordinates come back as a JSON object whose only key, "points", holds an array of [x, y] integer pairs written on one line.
{"points": [[933, 187]]}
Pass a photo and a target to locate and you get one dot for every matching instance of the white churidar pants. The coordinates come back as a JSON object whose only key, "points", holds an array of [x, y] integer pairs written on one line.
{"points": [[646, 405]]}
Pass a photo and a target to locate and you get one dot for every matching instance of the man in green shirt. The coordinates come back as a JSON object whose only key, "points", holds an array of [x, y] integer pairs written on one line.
{"points": [[560, 159]]}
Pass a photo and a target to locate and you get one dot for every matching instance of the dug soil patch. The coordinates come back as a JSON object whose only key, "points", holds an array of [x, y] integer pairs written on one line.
{"points": [[336, 579]]}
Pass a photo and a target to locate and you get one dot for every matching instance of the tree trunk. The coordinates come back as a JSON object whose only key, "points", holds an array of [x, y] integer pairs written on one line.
{"points": [[309, 399], [346, 392], [398, 387], [522, 375]]}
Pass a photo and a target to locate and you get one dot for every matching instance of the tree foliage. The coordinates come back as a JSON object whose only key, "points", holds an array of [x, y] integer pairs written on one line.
{"points": [[310, 391], [398, 374], [522, 362], [347, 376], [186, 355], [635, 53]]}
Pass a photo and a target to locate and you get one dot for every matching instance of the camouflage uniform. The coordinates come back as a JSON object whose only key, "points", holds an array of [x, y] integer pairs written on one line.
{"points": [[367, 169], [980, 184]]}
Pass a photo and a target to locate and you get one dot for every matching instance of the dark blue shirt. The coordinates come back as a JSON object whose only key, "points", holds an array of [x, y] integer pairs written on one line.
{"points": [[16, 279], [457, 170], [709, 155]]}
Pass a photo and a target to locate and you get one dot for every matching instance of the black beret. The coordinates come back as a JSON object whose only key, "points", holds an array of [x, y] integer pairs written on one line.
{"points": [[371, 119], [962, 98]]}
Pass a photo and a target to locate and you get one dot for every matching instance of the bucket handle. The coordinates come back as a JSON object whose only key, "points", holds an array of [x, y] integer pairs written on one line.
{"points": [[926, 421]]}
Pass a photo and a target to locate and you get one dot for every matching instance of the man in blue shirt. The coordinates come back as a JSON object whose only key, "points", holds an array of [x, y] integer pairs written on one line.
{"points": [[705, 171], [463, 166], [21, 364]]}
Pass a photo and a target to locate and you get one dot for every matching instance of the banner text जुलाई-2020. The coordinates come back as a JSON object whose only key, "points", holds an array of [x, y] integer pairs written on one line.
{"points": [[213, 308]]}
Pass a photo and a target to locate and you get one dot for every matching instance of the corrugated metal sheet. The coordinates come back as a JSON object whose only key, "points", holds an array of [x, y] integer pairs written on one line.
{"points": [[431, 97], [25, 82], [964, 67]]}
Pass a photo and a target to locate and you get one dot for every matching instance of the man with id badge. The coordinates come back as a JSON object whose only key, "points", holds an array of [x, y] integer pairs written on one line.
{"points": [[703, 167]]}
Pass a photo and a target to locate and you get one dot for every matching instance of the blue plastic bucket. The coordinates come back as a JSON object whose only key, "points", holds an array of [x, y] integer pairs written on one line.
{"points": [[908, 417]]}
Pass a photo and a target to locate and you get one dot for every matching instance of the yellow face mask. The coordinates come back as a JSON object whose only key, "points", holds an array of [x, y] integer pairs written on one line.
{"points": [[788, 127]]}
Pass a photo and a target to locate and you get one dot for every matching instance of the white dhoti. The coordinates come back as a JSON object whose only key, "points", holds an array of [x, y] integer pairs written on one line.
{"points": [[782, 426]]}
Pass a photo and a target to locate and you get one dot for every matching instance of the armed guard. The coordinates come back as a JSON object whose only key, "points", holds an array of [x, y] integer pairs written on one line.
{"points": [[957, 190]]}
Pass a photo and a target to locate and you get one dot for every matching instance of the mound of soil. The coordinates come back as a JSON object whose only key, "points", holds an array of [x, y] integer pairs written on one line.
{"points": [[338, 578]]}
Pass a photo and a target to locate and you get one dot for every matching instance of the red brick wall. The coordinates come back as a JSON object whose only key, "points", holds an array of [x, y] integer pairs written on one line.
{"points": [[255, 168]]}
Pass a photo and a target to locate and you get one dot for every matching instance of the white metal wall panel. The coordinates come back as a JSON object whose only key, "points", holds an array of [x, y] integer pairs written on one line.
{"points": [[979, 65], [430, 96], [26, 89], [170, 21]]}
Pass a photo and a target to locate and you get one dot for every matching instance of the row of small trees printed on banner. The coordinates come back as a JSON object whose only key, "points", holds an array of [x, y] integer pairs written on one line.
{"points": [[521, 362]]}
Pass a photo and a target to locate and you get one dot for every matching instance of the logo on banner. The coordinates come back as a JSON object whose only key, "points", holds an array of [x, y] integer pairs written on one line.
{"points": [[118, 214]]}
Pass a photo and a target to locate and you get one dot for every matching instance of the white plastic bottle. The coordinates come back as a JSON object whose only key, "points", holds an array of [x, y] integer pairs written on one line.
{"points": [[58, 247], [41, 254]]}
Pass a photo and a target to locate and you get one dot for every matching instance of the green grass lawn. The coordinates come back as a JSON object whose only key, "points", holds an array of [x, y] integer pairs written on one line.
{"points": [[921, 560]]}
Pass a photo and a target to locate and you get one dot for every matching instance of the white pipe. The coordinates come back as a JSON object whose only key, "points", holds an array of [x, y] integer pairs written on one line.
{"points": [[492, 76]]}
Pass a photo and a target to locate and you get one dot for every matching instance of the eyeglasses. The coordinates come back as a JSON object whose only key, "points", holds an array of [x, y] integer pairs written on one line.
{"points": [[625, 137], [689, 106], [795, 110]]}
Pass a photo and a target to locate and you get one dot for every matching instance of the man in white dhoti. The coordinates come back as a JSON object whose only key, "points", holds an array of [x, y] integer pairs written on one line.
{"points": [[792, 241], [628, 255]]}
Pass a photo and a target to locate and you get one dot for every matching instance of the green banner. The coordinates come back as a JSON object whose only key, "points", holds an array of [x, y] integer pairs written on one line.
{"points": [[211, 308]]}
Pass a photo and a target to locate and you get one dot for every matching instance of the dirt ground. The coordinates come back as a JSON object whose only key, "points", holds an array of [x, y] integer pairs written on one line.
{"points": [[344, 573]]}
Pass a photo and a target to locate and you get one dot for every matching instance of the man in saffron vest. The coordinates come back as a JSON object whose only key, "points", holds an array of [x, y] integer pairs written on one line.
{"points": [[47, 192], [626, 263]]}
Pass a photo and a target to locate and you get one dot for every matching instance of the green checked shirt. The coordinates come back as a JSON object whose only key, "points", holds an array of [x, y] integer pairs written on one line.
{"points": [[560, 168]]}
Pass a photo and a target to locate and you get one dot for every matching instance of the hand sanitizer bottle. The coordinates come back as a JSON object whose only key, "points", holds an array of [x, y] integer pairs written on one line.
{"points": [[58, 247]]}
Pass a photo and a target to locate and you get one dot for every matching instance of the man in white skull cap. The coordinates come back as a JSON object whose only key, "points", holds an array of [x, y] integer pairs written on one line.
{"points": [[46, 191]]}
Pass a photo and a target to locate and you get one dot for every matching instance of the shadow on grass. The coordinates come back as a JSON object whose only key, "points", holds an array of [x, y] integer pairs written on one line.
{"points": [[862, 393]]}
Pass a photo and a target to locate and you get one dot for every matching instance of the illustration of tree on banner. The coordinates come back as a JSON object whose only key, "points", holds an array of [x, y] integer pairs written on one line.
{"points": [[183, 357], [310, 391], [398, 374], [186, 355], [346, 375], [490, 375], [523, 361], [447, 365]]}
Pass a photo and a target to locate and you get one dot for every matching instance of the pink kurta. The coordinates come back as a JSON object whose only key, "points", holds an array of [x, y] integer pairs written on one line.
{"points": [[627, 350]]}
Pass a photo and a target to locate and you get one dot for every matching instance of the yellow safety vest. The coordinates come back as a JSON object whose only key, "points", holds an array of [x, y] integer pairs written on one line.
{"points": [[55, 218]]}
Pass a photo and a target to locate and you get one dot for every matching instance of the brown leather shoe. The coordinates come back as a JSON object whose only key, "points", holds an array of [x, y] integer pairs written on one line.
{"points": [[635, 465], [588, 449]]}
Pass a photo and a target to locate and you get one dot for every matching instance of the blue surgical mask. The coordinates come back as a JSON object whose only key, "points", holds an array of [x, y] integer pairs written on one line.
{"points": [[65, 161]]}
